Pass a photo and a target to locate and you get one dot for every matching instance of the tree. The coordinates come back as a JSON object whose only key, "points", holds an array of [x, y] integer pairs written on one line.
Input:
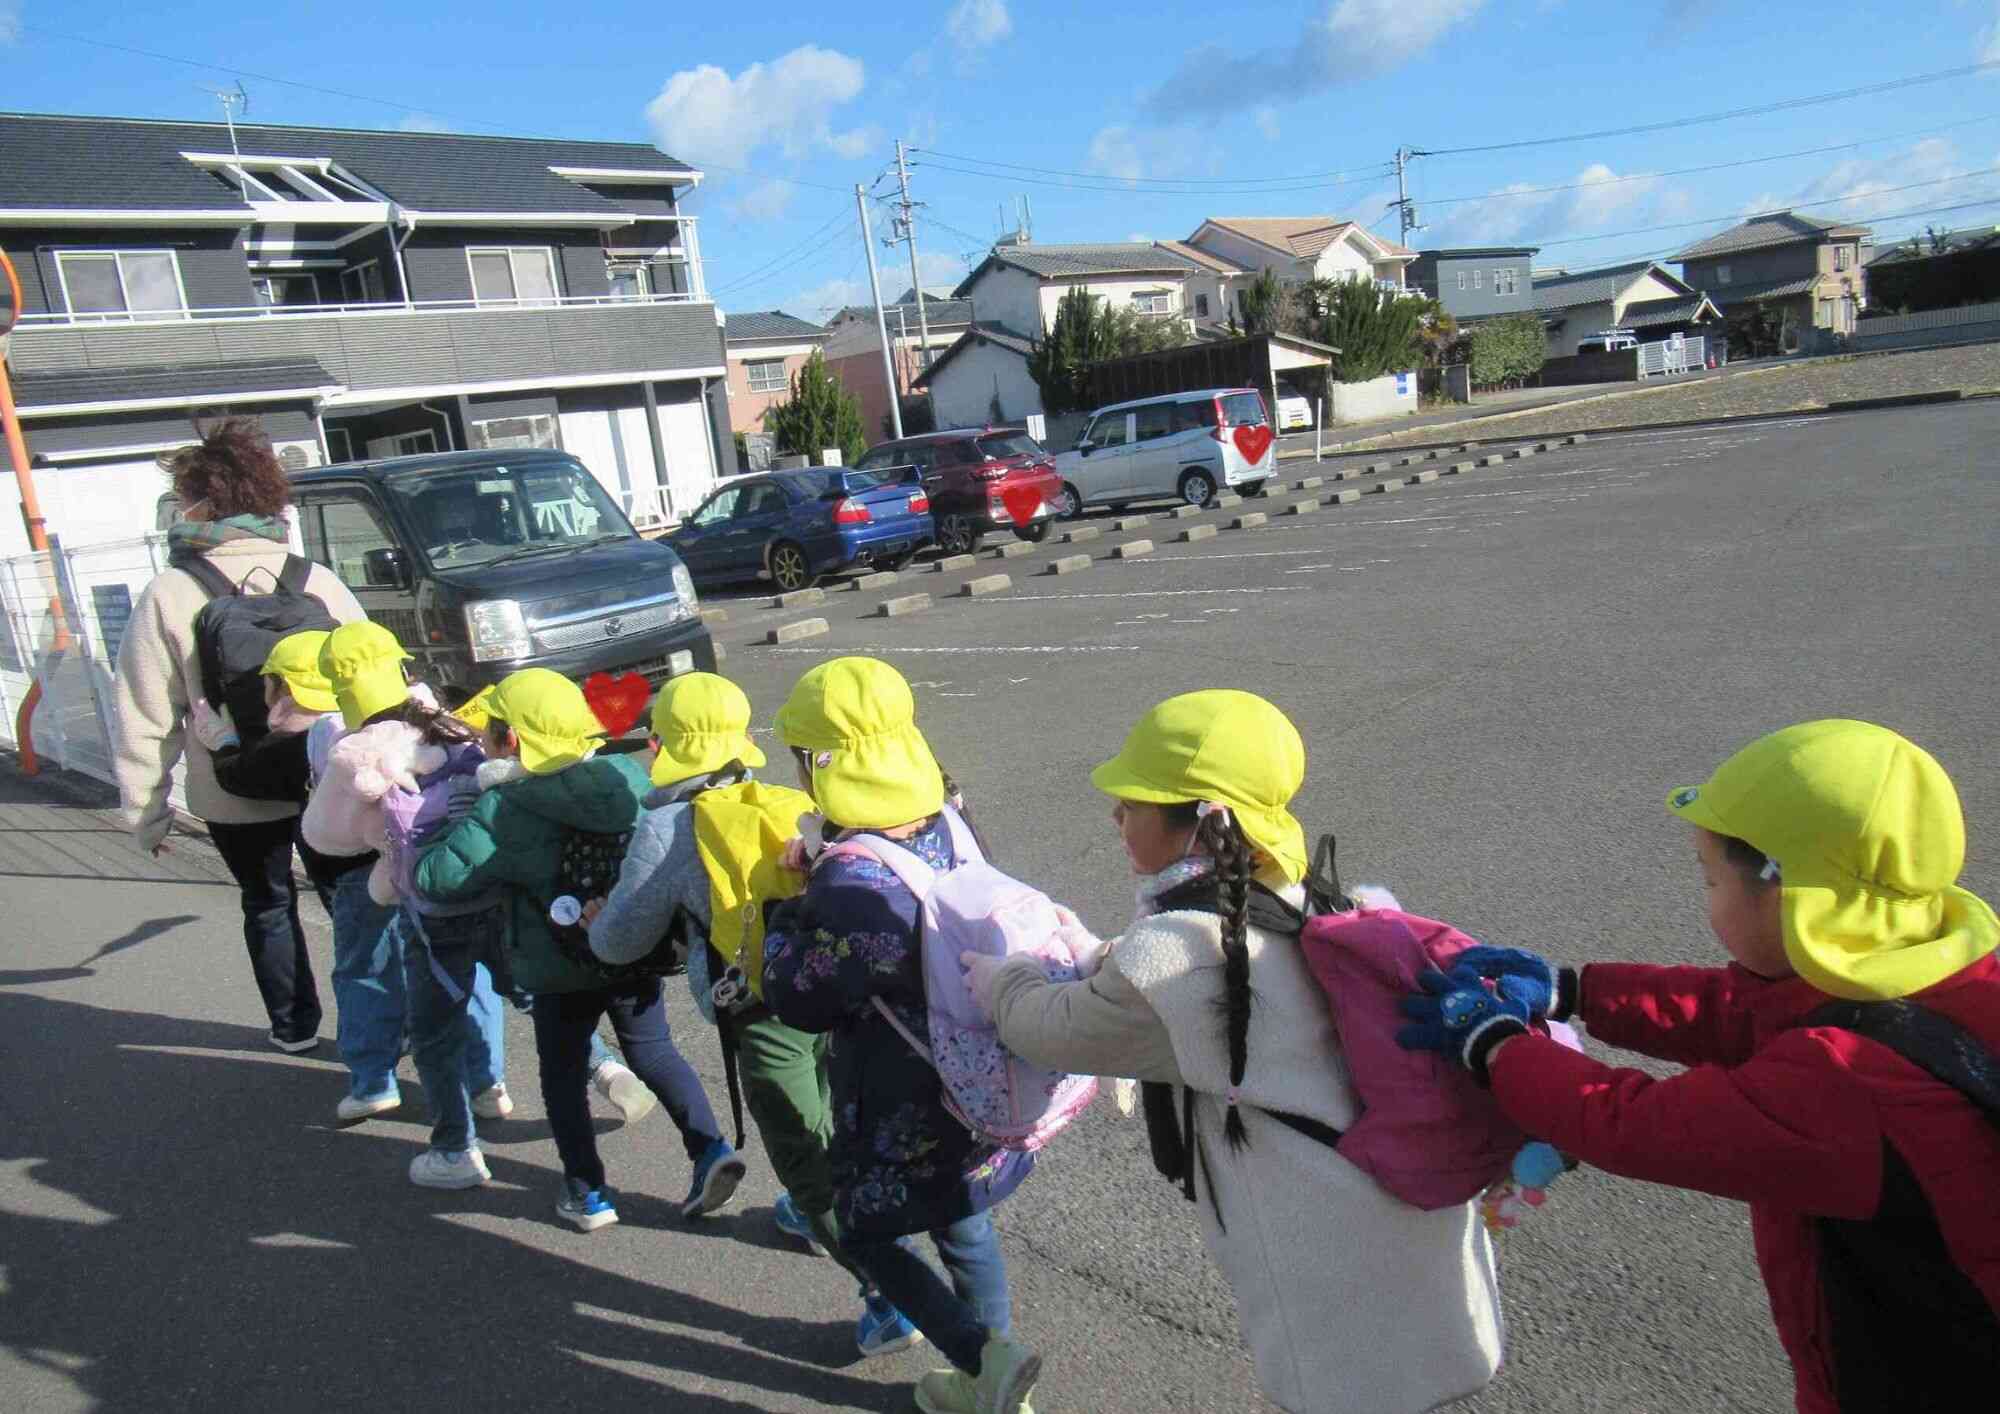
{"points": [[1377, 331], [1056, 361], [1264, 304], [1504, 353], [820, 413]]}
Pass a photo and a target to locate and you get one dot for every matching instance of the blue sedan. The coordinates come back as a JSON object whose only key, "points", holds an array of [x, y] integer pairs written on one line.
{"points": [[796, 526]]}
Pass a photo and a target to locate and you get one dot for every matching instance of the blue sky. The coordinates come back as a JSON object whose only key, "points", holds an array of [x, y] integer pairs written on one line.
{"points": [[1119, 121]]}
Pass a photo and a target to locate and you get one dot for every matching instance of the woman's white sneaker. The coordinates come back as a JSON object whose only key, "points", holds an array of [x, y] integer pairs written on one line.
{"points": [[617, 1083], [493, 1102], [353, 1109], [434, 1168]]}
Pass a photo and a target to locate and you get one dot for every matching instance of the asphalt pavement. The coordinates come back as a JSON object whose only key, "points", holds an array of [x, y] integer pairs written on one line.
{"points": [[1499, 676]]}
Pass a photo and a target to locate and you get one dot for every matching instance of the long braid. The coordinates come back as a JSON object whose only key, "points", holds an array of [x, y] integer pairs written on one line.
{"points": [[1231, 852]]}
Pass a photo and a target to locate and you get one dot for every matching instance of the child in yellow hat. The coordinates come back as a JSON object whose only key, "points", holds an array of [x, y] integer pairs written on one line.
{"points": [[1842, 1073], [545, 788], [902, 1165], [1209, 993]]}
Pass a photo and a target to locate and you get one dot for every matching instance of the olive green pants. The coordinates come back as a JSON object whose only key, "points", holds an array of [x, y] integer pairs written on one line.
{"points": [[783, 1073]]}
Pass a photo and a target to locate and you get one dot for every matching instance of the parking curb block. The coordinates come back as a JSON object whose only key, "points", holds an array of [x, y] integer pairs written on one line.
{"points": [[1423, 478], [720, 653], [1249, 521], [1494, 460], [1306, 483], [1081, 534], [901, 605], [1131, 549], [873, 581], [1393, 483], [797, 629], [1520, 453], [1132, 523], [984, 585], [1301, 508], [1013, 549], [1461, 468], [1577, 439], [1184, 512], [953, 562], [798, 597], [1069, 564], [1224, 502], [1344, 498], [1198, 532]]}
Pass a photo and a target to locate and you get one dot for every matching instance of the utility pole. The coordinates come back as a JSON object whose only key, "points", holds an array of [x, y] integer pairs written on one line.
{"points": [[907, 230], [881, 323], [1404, 209]]}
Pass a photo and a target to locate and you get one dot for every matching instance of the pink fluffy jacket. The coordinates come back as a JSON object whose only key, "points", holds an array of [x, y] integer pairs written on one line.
{"points": [[344, 815]]}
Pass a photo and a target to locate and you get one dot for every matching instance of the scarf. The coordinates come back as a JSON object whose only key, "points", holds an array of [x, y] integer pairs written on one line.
{"points": [[191, 539], [1149, 889]]}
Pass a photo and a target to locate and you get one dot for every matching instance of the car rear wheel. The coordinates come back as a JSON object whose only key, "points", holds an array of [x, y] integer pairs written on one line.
{"points": [[790, 570], [1197, 488], [1255, 488], [1035, 532], [1068, 503], [957, 535]]}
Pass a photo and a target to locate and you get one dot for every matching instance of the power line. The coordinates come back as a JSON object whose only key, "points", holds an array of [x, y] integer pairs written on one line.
{"points": [[1727, 115], [786, 259], [399, 106], [1184, 181], [1120, 186]]}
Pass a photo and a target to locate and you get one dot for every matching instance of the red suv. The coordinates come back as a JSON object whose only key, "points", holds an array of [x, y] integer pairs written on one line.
{"points": [[980, 481]]}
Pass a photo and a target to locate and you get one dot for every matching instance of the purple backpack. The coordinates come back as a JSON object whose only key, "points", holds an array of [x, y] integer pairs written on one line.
{"points": [[973, 907], [412, 819]]}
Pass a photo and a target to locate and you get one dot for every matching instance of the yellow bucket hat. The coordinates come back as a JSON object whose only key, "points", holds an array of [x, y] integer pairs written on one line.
{"points": [[1866, 831], [703, 723], [295, 658], [477, 710], [549, 716], [1225, 746], [364, 664], [871, 767]]}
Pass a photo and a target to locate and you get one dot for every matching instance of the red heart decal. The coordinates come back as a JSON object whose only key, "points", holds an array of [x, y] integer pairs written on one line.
{"points": [[1253, 442], [1023, 503], [617, 702]]}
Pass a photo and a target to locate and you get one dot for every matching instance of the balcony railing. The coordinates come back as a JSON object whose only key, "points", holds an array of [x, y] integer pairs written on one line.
{"points": [[372, 309]]}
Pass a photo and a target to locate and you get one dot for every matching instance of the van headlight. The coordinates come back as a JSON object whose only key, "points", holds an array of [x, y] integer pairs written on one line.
{"points": [[497, 630], [684, 587]]}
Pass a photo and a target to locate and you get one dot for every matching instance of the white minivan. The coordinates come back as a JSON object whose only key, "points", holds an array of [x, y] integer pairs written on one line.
{"points": [[1189, 445]]}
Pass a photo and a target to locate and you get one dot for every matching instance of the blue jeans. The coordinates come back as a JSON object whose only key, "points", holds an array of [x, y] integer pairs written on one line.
{"points": [[957, 1319], [260, 859], [455, 1030], [368, 986]]}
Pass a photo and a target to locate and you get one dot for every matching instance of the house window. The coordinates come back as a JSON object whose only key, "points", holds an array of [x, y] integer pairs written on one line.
{"points": [[1503, 282], [362, 284], [1201, 306], [1843, 257], [339, 444], [121, 284], [1475, 278], [512, 274], [1722, 274], [767, 375], [1461, 279], [1152, 303], [1825, 320], [629, 280], [286, 291], [536, 430]]}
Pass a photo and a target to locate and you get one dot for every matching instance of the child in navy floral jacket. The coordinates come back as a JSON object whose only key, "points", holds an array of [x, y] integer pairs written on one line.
{"points": [[901, 1164]]}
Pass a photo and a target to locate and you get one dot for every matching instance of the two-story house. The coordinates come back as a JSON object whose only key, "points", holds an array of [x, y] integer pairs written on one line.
{"points": [[1019, 284], [1296, 249], [362, 294], [1477, 282], [765, 350], [854, 349], [1806, 272], [1642, 296]]}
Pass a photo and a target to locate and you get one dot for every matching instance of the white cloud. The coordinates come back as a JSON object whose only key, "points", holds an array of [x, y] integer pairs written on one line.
{"points": [[974, 24], [1349, 41], [1597, 198], [820, 302], [422, 123], [1989, 40], [1129, 153], [1267, 122], [766, 201], [704, 116], [10, 21], [1114, 151], [1605, 196]]}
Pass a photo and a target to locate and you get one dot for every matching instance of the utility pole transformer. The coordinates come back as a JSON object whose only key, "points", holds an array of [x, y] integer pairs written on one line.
{"points": [[907, 225], [1405, 210], [881, 323]]}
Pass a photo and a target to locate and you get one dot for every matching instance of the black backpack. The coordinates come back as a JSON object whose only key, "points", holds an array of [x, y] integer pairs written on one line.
{"points": [[587, 867], [236, 630]]}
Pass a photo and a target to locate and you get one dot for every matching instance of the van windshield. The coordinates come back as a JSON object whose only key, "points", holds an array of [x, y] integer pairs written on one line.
{"points": [[480, 514]]}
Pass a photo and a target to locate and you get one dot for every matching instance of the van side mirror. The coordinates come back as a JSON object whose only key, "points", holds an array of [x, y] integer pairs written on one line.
{"points": [[386, 568], [1083, 449]]}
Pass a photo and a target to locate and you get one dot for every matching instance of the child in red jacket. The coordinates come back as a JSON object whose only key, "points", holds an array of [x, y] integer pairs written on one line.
{"points": [[1843, 1078]]}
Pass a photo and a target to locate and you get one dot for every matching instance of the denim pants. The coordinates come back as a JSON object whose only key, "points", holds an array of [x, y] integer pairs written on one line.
{"points": [[455, 1031], [260, 859], [368, 986], [957, 1319], [565, 1029]]}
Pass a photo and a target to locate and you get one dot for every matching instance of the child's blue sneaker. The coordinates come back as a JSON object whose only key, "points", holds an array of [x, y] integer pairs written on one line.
{"points": [[793, 1223], [883, 1329], [716, 1174], [587, 1209]]}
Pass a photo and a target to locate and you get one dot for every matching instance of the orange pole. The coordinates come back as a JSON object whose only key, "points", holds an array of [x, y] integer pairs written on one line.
{"points": [[38, 534]]}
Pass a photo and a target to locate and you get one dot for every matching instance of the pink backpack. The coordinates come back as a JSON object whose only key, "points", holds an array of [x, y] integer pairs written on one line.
{"points": [[1427, 1133], [973, 907]]}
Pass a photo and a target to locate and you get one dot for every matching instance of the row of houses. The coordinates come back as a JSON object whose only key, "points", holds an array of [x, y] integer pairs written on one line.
{"points": [[1810, 275]]}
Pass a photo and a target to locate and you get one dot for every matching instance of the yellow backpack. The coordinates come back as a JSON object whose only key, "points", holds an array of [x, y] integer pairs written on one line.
{"points": [[740, 831]]}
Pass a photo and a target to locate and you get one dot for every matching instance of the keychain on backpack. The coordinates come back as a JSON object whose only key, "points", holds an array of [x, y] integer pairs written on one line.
{"points": [[1524, 1189]]}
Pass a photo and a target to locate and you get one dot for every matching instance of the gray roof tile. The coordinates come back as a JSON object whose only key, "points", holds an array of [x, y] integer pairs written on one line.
{"points": [[186, 380], [1060, 261], [770, 324], [1772, 228], [999, 335], [1652, 313], [1593, 286], [129, 164], [937, 311], [1768, 289]]}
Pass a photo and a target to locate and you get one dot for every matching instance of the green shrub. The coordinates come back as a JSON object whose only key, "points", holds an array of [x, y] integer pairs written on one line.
{"points": [[1505, 353], [820, 413]]}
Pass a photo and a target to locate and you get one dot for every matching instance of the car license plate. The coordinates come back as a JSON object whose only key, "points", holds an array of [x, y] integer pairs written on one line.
{"points": [[680, 661]]}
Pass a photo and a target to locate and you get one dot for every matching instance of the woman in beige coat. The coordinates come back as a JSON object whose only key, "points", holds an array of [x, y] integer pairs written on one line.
{"points": [[233, 494], [1352, 1302]]}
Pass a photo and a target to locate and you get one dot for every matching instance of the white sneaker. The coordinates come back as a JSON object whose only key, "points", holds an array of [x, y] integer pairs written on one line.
{"points": [[351, 1110], [622, 1088], [434, 1168], [493, 1102], [292, 1048]]}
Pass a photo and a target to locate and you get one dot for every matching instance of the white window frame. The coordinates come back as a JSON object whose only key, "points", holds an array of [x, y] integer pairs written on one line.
{"points": [[1153, 304], [640, 268], [339, 444], [1477, 273], [1461, 279], [1201, 306], [1843, 257], [547, 253], [128, 313], [1722, 273], [752, 365], [360, 274]]}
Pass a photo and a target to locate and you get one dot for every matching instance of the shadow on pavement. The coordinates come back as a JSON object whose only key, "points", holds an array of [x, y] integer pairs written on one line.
{"points": [[178, 1232]]}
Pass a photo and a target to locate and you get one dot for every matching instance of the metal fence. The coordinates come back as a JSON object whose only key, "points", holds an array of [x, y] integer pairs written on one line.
{"points": [[65, 613], [1675, 355]]}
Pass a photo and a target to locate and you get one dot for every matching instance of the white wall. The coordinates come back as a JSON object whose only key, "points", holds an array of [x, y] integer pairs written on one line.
{"points": [[1392, 395], [1005, 295], [1579, 324], [964, 390], [1117, 290], [601, 437]]}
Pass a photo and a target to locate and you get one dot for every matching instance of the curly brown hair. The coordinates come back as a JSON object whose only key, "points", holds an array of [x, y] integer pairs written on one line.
{"points": [[232, 468]]}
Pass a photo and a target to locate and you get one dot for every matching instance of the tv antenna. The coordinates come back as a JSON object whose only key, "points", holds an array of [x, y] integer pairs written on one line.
{"points": [[233, 100]]}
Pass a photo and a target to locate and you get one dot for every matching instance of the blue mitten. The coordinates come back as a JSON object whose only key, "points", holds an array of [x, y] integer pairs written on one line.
{"points": [[1463, 1015], [1541, 983]]}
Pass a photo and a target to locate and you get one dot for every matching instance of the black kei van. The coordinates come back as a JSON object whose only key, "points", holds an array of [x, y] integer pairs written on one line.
{"points": [[482, 563]]}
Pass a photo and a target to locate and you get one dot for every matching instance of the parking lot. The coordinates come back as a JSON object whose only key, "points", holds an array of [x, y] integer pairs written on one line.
{"points": [[1498, 673]]}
